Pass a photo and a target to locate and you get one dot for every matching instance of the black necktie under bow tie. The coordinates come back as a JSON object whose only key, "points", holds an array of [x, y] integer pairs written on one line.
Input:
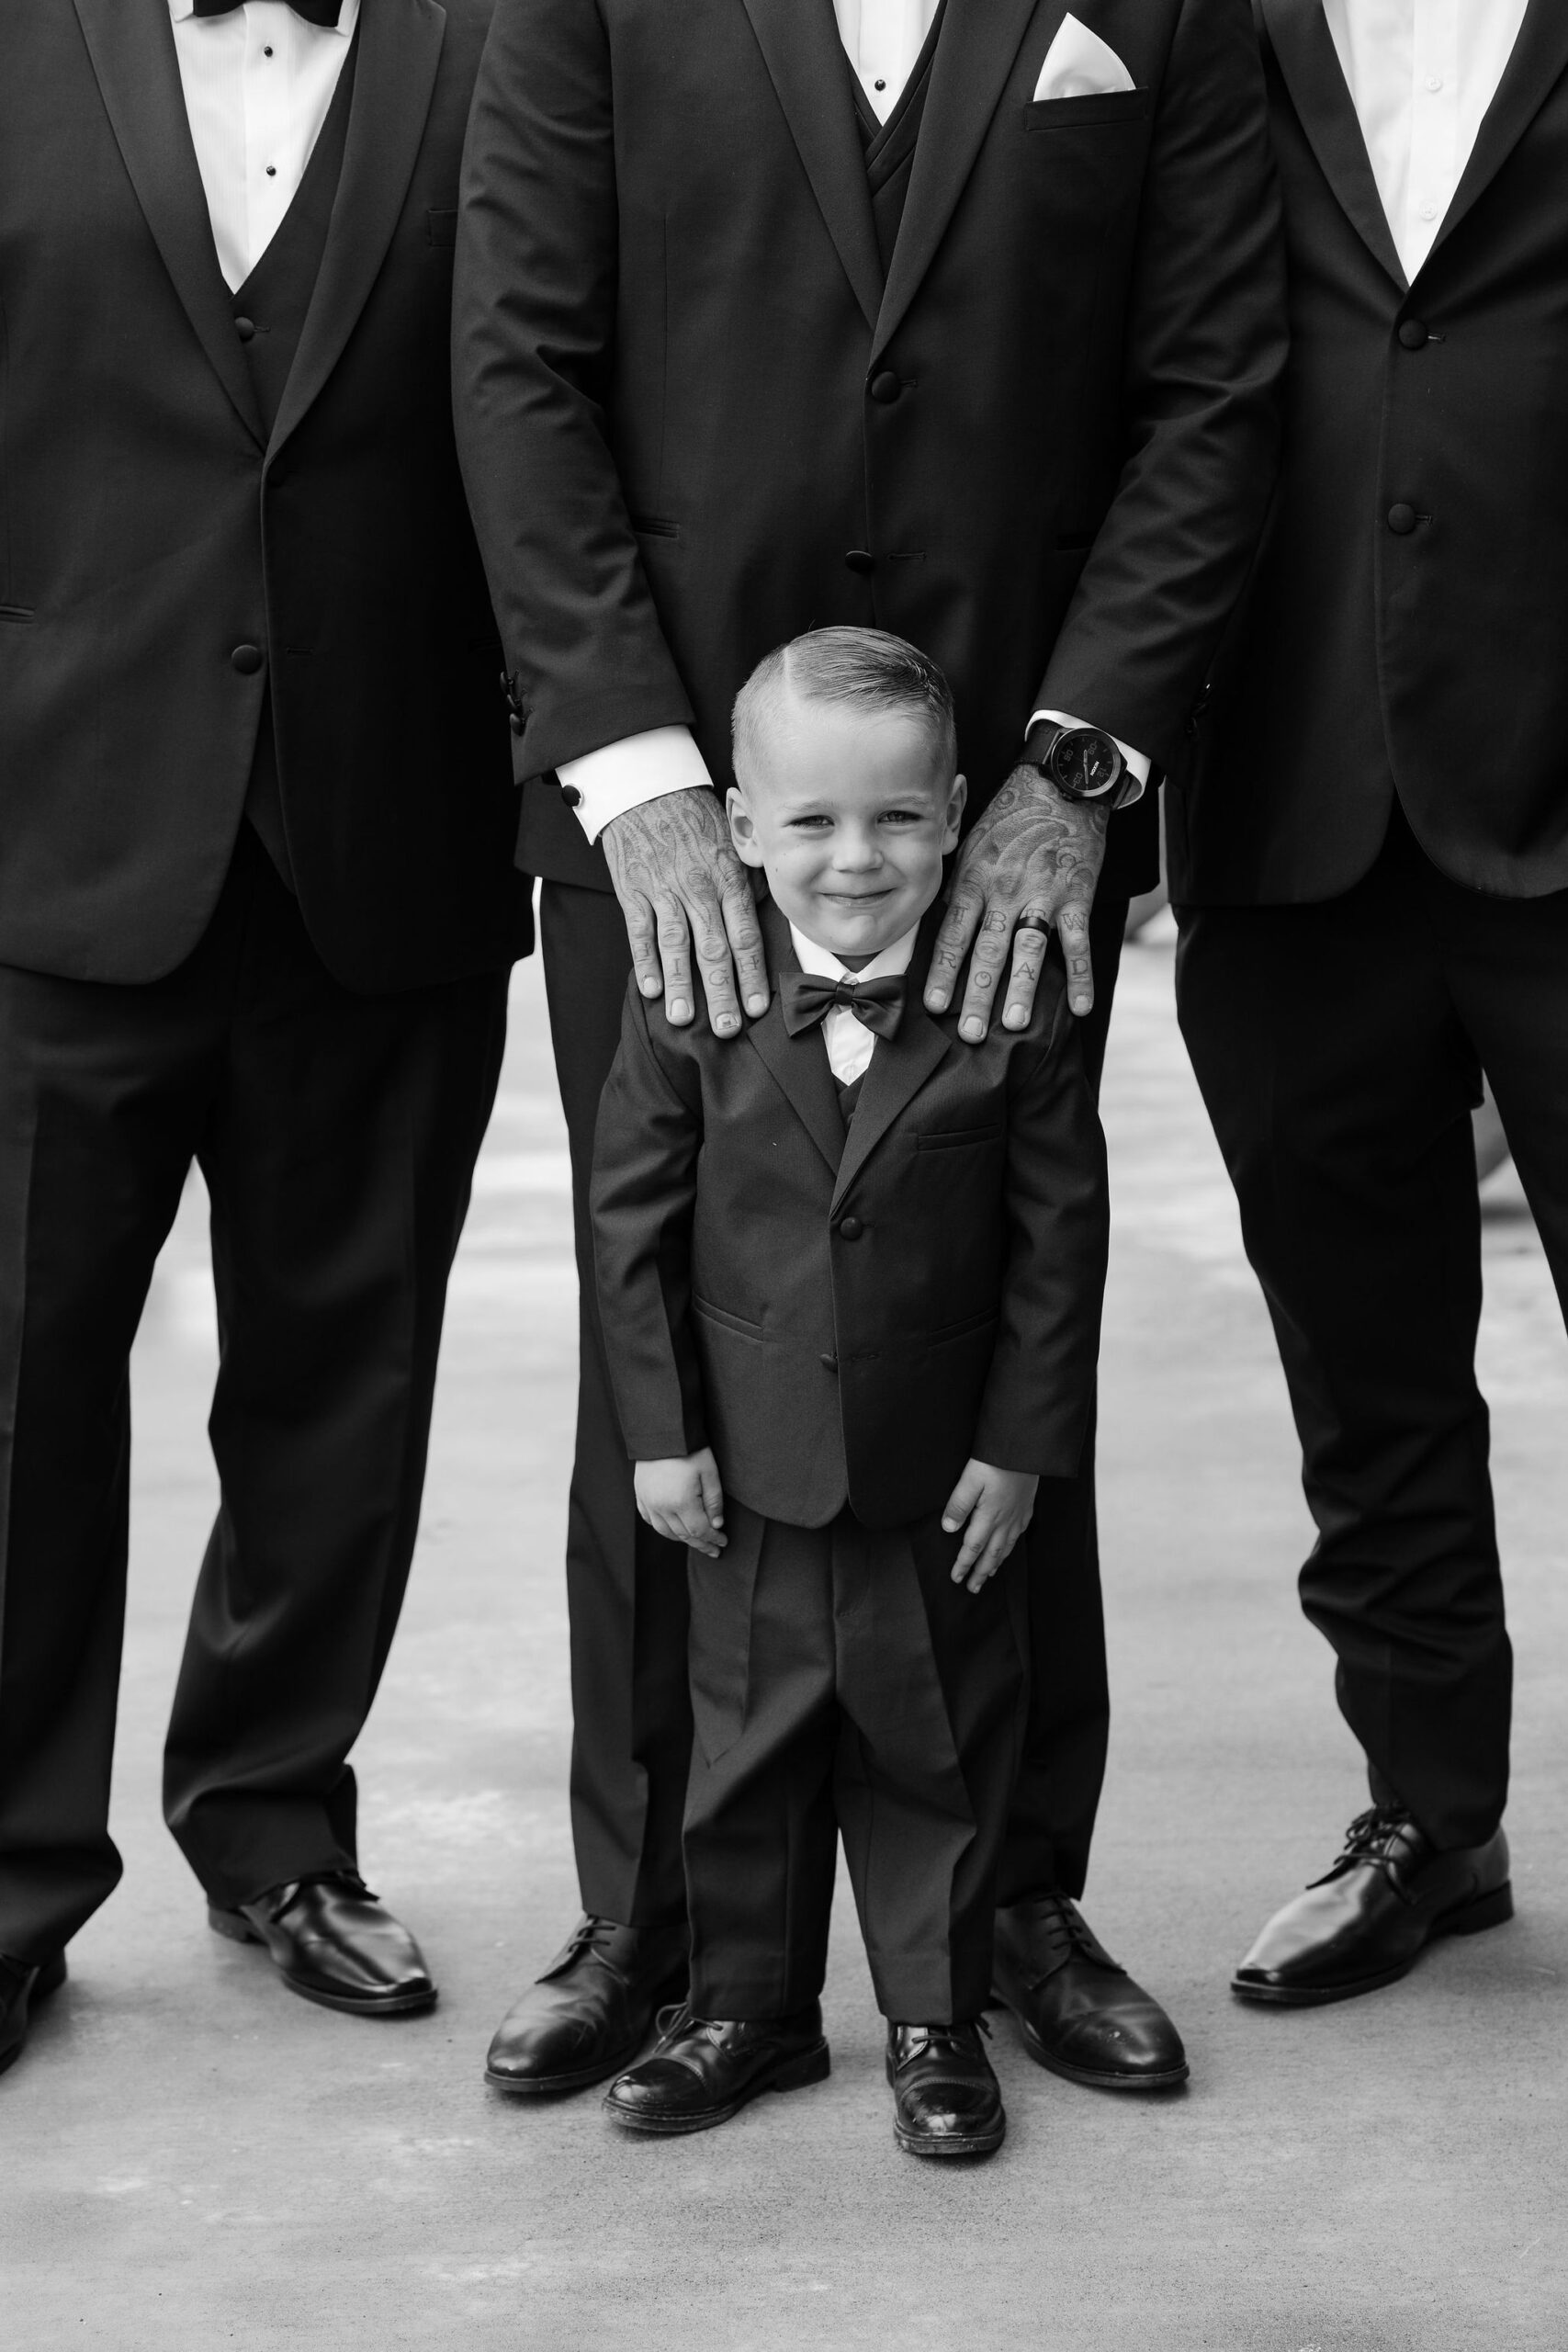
{"points": [[323, 13], [808, 997]]}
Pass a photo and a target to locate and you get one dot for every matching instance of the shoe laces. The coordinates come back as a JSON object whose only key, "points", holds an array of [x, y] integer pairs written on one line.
{"points": [[1367, 1842], [1066, 1935]]}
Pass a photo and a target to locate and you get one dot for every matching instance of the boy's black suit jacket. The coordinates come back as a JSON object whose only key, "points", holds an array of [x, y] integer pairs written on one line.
{"points": [[1405, 628], [852, 1319], [148, 529], [694, 421]]}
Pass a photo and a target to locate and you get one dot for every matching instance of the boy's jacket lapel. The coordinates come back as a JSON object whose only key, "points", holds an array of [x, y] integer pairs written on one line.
{"points": [[899, 1067], [799, 1065]]}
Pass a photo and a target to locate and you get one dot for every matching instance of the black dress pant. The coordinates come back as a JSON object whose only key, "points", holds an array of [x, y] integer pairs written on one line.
{"points": [[1339, 1048], [842, 1683], [626, 1588], [337, 1136]]}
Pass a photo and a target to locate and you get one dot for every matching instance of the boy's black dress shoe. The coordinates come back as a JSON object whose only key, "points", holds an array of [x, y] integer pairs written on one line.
{"points": [[1369, 1920], [1081, 2014], [331, 1941], [590, 2010], [946, 2100], [20, 1986], [706, 2069]]}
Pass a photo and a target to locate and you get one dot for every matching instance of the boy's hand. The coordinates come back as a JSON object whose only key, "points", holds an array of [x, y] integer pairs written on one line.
{"points": [[683, 1499], [998, 1506]]}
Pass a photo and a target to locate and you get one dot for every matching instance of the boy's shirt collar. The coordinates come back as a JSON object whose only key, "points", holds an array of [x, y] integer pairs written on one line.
{"points": [[848, 1042]]}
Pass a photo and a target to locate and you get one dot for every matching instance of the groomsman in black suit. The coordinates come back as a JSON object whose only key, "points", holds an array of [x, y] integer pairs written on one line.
{"points": [[961, 320], [1370, 861], [257, 906]]}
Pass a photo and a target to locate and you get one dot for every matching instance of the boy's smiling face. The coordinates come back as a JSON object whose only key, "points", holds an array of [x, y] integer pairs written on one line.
{"points": [[849, 813]]}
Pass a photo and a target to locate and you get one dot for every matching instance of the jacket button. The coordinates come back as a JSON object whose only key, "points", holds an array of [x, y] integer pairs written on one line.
{"points": [[860, 559], [851, 1228], [831, 1362], [245, 329], [247, 658], [1402, 520], [886, 388], [1411, 333]]}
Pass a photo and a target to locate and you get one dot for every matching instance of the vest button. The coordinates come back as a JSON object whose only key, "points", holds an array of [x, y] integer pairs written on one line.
{"points": [[247, 659], [1402, 520], [245, 329], [1412, 334], [851, 1229], [860, 559], [886, 388]]}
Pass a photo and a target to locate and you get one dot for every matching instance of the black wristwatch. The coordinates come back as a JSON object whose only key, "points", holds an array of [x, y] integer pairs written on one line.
{"points": [[1083, 763]]}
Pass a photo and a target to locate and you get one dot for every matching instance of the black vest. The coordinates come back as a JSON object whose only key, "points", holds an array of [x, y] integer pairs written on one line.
{"points": [[269, 312], [849, 1095], [890, 146]]}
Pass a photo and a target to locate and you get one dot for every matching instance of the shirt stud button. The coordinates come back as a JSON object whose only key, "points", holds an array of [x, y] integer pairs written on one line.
{"points": [[272, 171]]}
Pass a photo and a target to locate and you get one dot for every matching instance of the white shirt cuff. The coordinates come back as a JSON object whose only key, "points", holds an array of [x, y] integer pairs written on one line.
{"points": [[1138, 762], [622, 776]]}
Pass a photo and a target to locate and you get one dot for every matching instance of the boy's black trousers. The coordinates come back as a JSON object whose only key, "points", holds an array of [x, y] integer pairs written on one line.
{"points": [[626, 1588], [841, 1681]]}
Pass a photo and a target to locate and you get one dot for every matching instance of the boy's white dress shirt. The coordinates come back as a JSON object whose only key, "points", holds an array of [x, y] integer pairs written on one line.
{"points": [[848, 1042]]}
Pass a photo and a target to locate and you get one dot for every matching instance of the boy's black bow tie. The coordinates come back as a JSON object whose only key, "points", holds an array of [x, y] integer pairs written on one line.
{"points": [[323, 13], [808, 997]]}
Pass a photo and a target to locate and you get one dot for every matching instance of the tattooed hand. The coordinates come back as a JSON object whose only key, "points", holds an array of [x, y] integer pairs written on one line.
{"points": [[1032, 854], [680, 883]]}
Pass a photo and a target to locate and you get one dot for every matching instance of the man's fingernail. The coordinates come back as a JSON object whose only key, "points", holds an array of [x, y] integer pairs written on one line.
{"points": [[756, 1004], [973, 1030], [725, 1022], [1014, 1017], [649, 988], [937, 1000], [680, 1009], [949, 1527]]}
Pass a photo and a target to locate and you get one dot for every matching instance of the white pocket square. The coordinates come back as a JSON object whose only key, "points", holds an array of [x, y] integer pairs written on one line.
{"points": [[1078, 64]]}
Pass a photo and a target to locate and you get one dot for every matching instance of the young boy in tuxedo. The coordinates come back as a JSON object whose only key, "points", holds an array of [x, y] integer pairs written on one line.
{"points": [[851, 1271]]}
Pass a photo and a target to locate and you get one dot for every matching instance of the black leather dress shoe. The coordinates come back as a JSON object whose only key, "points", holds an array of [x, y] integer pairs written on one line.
{"points": [[704, 2069], [590, 2011], [20, 1986], [1081, 2013], [1369, 1920], [331, 1941], [946, 2100]]}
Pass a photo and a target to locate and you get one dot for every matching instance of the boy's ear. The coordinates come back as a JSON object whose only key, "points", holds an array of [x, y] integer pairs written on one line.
{"points": [[742, 832], [959, 793]]}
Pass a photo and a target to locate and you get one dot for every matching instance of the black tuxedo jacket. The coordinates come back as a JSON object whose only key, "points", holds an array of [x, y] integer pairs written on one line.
{"points": [[147, 531], [694, 421], [852, 1319], [1404, 629]]}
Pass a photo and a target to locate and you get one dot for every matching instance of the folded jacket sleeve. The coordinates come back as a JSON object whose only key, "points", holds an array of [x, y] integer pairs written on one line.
{"points": [[642, 1198]]}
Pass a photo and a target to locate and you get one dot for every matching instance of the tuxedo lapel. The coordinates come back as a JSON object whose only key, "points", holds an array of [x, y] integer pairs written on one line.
{"points": [[131, 45], [899, 1067], [1539, 58], [798, 1065], [974, 53], [1303, 49], [800, 45], [400, 50]]}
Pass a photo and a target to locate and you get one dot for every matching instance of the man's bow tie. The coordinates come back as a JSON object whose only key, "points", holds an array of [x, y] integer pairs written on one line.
{"points": [[806, 998], [323, 13]]}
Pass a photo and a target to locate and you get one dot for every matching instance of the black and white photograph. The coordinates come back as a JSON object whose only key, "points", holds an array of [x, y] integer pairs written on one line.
{"points": [[783, 1175]]}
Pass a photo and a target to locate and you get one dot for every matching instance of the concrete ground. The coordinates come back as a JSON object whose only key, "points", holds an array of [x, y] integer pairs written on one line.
{"points": [[192, 2158]]}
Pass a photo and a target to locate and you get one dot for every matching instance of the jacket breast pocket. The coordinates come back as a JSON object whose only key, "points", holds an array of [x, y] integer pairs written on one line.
{"points": [[1104, 110], [727, 1322], [956, 1138]]}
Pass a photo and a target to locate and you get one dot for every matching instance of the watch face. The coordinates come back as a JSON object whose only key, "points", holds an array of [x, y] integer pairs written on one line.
{"points": [[1085, 762]]}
